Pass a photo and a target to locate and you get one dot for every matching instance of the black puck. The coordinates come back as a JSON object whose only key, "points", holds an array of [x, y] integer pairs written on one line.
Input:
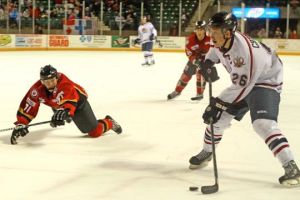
{"points": [[193, 188]]}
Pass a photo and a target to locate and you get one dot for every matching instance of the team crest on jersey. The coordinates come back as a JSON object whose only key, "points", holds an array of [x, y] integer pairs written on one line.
{"points": [[34, 93], [59, 97], [238, 62]]}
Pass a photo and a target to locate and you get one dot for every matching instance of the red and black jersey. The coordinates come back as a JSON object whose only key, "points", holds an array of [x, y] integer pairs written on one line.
{"points": [[196, 49], [67, 95]]}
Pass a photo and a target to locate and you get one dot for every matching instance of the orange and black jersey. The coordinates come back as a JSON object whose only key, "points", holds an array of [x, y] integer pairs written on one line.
{"points": [[67, 95]]}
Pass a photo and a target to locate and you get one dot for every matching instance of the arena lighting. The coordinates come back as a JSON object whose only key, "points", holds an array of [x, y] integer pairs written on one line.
{"points": [[271, 13]]}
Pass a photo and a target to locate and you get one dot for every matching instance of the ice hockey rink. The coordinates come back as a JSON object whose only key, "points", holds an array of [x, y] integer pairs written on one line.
{"points": [[149, 160]]}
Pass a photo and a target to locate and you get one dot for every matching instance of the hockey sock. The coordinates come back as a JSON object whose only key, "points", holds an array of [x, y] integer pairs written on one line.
{"points": [[200, 83], [182, 83], [103, 126], [279, 145], [207, 140]]}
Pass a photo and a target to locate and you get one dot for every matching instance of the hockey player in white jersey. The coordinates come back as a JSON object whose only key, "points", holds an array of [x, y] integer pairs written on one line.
{"points": [[146, 37], [257, 74]]}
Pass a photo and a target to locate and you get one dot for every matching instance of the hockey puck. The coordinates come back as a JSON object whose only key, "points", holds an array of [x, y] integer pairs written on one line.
{"points": [[193, 188]]}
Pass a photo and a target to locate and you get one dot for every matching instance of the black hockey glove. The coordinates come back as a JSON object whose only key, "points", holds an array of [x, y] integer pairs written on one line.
{"points": [[214, 110], [152, 37], [137, 41], [19, 130], [59, 117], [208, 70]]}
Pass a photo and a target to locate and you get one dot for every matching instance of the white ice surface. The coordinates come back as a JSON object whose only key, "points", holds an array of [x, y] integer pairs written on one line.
{"points": [[150, 159]]}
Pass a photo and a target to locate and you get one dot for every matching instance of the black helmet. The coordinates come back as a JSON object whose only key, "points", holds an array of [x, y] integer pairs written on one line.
{"points": [[48, 72], [200, 24], [224, 20]]}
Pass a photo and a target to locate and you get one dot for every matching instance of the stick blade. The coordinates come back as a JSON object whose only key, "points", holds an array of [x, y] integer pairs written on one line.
{"points": [[210, 189]]}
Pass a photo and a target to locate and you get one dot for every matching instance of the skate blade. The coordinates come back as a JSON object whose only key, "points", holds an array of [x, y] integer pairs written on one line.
{"points": [[204, 164], [196, 98], [292, 182]]}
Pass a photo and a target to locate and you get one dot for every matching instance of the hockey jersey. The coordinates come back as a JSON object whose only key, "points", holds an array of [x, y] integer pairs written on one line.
{"points": [[250, 64], [67, 95], [145, 31], [196, 49]]}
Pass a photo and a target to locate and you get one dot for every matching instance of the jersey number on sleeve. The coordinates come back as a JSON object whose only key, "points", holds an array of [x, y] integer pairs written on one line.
{"points": [[27, 108]]}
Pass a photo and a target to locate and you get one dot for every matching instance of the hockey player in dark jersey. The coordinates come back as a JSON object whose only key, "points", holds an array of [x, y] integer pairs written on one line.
{"points": [[68, 101], [197, 46]]}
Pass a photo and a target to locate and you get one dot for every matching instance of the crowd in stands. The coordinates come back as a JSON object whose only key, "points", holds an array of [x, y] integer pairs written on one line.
{"points": [[128, 20], [130, 15], [256, 27]]}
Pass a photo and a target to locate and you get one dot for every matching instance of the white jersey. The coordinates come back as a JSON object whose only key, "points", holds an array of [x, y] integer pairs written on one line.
{"points": [[145, 30], [250, 64]]}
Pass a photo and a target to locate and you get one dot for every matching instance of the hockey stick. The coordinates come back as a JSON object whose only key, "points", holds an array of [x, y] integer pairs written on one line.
{"points": [[159, 43], [209, 189], [35, 124]]}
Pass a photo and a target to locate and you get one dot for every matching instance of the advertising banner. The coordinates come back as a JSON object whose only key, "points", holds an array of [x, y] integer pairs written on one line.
{"points": [[90, 41], [58, 41], [163, 42], [30, 40], [118, 41], [271, 13], [7, 41]]}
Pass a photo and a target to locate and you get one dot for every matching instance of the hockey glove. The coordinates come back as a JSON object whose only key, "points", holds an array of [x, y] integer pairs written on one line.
{"points": [[137, 41], [196, 62], [208, 70], [214, 110], [59, 117], [152, 37], [19, 130]]}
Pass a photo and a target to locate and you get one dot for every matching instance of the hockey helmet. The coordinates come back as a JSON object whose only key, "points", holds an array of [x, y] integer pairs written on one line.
{"points": [[200, 24], [48, 72], [223, 20]]}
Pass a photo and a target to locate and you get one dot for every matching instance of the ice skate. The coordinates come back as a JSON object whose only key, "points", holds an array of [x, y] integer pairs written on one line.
{"points": [[173, 95], [198, 97], [116, 127], [291, 177], [145, 64], [152, 62], [200, 160]]}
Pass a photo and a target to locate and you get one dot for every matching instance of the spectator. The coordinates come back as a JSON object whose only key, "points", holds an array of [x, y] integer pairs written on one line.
{"points": [[25, 13], [262, 33], [13, 17], [293, 34], [2, 13], [129, 23], [278, 33], [38, 29], [119, 19], [173, 30]]}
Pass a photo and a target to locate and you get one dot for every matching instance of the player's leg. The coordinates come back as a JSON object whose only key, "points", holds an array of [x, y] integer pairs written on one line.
{"points": [[148, 55], [185, 77], [145, 52], [264, 109], [200, 86], [150, 50], [236, 112], [201, 159], [86, 121]]}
